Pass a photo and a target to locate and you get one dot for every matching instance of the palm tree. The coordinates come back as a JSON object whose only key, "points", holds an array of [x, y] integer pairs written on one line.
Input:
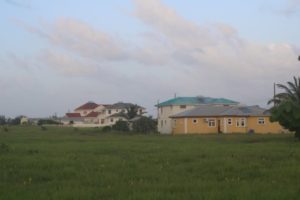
{"points": [[291, 92], [286, 109]]}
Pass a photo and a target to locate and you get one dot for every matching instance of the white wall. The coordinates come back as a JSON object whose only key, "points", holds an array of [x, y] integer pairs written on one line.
{"points": [[164, 124]]}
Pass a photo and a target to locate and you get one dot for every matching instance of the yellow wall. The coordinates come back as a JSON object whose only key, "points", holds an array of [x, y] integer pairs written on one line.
{"points": [[200, 127], [186, 126]]}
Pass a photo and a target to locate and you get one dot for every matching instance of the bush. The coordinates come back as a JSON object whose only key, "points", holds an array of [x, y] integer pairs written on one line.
{"points": [[144, 125], [5, 129], [4, 148], [43, 128], [48, 121], [121, 126], [106, 129]]}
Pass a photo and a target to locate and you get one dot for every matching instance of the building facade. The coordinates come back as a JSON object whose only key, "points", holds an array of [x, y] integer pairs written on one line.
{"points": [[98, 115], [239, 119], [181, 104]]}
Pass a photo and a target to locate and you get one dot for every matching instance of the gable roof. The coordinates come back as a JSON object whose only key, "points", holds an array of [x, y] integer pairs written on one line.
{"points": [[87, 106], [73, 115], [217, 111], [196, 101], [92, 114]]}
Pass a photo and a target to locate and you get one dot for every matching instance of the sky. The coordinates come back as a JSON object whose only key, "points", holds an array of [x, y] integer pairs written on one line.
{"points": [[56, 55]]}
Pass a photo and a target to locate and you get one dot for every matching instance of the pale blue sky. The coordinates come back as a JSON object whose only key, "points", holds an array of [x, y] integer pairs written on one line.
{"points": [[55, 55]]}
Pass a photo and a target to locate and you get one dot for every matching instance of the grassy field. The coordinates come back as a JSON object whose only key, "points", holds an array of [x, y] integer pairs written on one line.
{"points": [[67, 163]]}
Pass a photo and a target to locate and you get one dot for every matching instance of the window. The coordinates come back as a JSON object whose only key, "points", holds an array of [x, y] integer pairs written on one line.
{"points": [[109, 111], [161, 123], [111, 119], [117, 110], [102, 121], [161, 110], [241, 122], [211, 122], [195, 121], [166, 122], [261, 121], [182, 106], [229, 121]]}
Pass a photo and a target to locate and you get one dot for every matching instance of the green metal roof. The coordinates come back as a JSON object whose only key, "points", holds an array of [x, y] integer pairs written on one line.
{"points": [[196, 101]]}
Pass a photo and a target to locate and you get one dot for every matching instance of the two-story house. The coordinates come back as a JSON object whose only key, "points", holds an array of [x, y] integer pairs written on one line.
{"points": [[180, 104]]}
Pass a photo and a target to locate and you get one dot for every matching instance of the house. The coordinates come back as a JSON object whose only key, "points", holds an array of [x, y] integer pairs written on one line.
{"points": [[24, 120], [181, 104], [224, 119], [91, 114]]}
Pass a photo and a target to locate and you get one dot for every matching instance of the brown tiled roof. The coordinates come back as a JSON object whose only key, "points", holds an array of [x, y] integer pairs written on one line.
{"points": [[71, 115], [88, 106], [92, 114]]}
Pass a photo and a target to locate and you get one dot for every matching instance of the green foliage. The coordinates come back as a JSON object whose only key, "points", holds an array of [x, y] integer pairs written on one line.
{"points": [[2, 120], [287, 113], [64, 164], [287, 106], [121, 126], [132, 111], [43, 128], [106, 129], [48, 122], [144, 125], [14, 121], [4, 148]]}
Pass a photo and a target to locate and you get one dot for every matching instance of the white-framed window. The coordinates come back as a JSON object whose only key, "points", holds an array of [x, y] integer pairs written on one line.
{"points": [[229, 121], [261, 121], [241, 122], [211, 122]]}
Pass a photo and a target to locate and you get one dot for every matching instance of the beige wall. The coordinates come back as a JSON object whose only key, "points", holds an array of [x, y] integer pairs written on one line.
{"points": [[199, 125]]}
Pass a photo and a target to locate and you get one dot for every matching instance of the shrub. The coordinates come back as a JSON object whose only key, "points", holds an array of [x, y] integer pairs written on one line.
{"points": [[121, 126], [43, 128], [4, 148], [144, 125], [106, 129], [48, 121]]}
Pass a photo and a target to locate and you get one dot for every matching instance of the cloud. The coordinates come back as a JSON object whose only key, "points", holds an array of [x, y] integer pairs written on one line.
{"points": [[173, 55], [19, 3], [291, 7], [66, 64]]}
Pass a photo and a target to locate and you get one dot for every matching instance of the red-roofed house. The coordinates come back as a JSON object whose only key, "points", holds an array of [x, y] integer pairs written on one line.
{"points": [[91, 114]]}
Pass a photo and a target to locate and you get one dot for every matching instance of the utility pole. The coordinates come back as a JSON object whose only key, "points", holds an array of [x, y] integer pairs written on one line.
{"points": [[274, 93]]}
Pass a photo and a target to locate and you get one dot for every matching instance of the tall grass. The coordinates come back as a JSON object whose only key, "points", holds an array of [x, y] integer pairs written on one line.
{"points": [[67, 163]]}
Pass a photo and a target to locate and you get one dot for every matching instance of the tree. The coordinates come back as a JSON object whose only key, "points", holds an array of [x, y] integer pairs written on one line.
{"points": [[121, 126], [2, 120], [286, 109], [132, 111], [144, 125]]}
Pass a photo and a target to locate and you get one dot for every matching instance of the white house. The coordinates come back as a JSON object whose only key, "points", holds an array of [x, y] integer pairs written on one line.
{"points": [[91, 114]]}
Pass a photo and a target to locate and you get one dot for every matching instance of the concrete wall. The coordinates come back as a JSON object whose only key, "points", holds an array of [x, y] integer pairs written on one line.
{"points": [[164, 123], [200, 125]]}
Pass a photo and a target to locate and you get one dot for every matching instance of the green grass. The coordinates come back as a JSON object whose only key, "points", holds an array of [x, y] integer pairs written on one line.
{"points": [[64, 163]]}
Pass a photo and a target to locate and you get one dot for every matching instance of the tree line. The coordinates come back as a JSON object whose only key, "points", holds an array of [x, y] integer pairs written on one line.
{"points": [[10, 121]]}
